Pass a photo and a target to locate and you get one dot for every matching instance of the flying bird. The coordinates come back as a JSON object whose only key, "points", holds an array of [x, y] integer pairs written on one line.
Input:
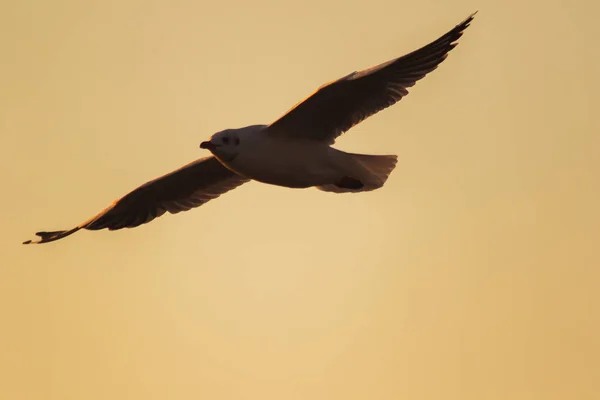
{"points": [[294, 151]]}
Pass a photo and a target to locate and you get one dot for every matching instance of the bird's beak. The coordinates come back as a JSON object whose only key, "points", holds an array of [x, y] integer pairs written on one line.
{"points": [[207, 145]]}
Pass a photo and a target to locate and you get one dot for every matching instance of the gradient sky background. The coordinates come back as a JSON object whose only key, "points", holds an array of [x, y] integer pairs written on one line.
{"points": [[473, 274]]}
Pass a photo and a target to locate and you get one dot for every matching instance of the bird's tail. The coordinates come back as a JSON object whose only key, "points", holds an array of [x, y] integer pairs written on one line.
{"points": [[369, 172]]}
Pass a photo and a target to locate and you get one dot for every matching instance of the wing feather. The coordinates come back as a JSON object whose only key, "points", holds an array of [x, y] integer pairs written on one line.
{"points": [[181, 190], [337, 106]]}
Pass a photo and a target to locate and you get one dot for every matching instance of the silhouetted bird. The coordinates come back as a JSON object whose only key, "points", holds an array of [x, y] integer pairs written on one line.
{"points": [[294, 151]]}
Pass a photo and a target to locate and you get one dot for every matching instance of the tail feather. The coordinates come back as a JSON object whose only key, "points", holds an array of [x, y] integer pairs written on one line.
{"points": [[373, 171]]}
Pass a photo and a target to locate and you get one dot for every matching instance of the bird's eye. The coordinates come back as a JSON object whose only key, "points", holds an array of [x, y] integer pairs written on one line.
{"points": [[225, 140]]}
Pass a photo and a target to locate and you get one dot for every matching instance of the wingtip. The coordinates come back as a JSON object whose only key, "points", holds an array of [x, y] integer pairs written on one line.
{"points": [[465, 22], [46, 237], [459, 28], [470, 18], [42, 235]]}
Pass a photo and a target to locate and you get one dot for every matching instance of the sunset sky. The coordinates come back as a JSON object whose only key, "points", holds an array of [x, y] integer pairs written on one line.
{"points": [[473, 274]]}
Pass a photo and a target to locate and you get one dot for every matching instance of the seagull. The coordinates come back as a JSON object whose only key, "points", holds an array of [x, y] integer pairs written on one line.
{"points": [[294, 151]]}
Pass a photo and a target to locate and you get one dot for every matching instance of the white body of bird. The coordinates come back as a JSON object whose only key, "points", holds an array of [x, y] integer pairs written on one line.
{"points": [[297, 162]]}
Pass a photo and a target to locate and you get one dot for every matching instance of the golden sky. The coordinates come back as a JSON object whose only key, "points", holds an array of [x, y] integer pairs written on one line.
{"points": [[472, 274]]}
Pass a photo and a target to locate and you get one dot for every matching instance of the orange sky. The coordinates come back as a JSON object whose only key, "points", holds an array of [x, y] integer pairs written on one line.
{"points": [[473, 274]]}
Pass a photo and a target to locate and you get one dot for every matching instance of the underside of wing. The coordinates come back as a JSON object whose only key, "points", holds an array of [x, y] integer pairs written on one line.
{"points": [[187, 187], [337, 106]]}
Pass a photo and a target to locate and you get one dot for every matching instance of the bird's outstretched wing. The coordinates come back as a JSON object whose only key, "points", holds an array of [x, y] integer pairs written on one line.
{"points": [[339, 105], [187, 187]]}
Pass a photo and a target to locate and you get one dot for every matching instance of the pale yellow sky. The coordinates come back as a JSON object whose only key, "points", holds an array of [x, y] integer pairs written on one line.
{"points": [[473, 274]]}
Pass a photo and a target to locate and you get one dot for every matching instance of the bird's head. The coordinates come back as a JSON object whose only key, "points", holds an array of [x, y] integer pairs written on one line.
{"points": [[223, 145]]}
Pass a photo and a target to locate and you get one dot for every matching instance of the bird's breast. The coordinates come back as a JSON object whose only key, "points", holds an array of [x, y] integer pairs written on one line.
{"points": [[295, 164]]}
